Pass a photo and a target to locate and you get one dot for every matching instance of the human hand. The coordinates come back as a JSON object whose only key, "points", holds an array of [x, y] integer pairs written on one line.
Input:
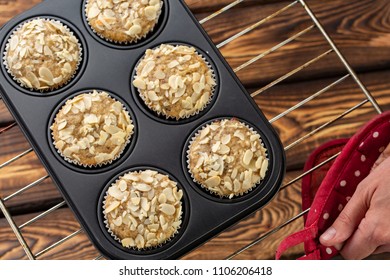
{"points": [[363, 227]]}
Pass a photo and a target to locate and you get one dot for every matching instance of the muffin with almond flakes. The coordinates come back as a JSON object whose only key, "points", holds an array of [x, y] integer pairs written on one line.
{"points": [[123, 21], [143, 209], [227, 158], [175, 81], [42, 54], [92, 129]]}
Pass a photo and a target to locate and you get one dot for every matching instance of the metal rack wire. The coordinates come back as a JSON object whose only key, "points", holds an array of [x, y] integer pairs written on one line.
{"points": [[368, 98]]}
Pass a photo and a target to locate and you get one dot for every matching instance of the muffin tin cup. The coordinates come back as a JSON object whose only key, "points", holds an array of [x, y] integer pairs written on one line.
{"points": [[189, 118], [77, 163], [157, 143], [150, 250], [9, 71], [170, 118], [125, 43], [205, 188]]}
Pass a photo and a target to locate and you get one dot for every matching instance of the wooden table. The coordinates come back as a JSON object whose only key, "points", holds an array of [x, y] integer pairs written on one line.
{"points": [[360, 28]]}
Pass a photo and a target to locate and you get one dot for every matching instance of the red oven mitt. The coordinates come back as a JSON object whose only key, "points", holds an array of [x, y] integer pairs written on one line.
{"points": [[327, 192]]}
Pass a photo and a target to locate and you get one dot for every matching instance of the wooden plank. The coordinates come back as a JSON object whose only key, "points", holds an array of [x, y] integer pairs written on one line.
{"points": [[21, 173], [273, 102], [358, 27], [44, 233], [62, 223], [286, 204], [321, 110], [5, 116]]}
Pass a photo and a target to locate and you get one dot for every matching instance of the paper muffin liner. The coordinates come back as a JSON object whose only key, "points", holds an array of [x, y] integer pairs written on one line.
{"points": [[77, 163], [52, 88], [123, 43], [116, 238], [204, 186], [212, 94]]}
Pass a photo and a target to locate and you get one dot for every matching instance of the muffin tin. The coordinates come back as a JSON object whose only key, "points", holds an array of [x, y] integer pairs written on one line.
{"points": [[157, 144]]}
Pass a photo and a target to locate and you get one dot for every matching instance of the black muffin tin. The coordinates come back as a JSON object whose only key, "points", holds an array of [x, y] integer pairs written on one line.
{"points": [[157, 144]]}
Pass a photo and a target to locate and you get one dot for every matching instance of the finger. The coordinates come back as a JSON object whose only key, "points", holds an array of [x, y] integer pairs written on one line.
{"points": [[382, 249], [347, 221], [385, 154], [360, 245]]}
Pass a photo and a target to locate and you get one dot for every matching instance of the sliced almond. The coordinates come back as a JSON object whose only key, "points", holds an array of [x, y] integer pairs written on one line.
{"points": [[118, 221], [153, 96], [259, 162], [147, 178], [112, 207], [173, 64], [93, 11], [169, 194], [238, 134], [142, 187], [213, 182], [223, 150], [204, 132], [264, 168], [140, 241], [128, 242], [135, 200], [14, 42], [135, 30], [173, 82], [226, 139], [145, 204], [62, 125], [149, 66], [151, 13], [247, 157], [215, 147], [122, 185], [162, 199], [160, 75], [139, 83], [237, 185], [167, 209], [33, 79], [199, 162]]}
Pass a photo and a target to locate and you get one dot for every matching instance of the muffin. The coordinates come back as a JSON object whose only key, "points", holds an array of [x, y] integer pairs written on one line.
{"points": [[143, 209], [123, 21], [227, 158], [174, 81], [92, 129], [42, 54]]}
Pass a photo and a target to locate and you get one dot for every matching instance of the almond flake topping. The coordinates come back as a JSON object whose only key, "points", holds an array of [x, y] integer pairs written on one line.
{"points": [[231, 162], [123, 21], [95, 123], [30, 54], [138, 219], [169, 83]]}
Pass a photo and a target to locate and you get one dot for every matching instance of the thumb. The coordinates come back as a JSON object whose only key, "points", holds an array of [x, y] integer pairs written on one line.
{"points": [[348, 220]]}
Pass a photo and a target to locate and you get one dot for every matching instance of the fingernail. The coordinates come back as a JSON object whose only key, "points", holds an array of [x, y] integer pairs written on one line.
{"points": [[329, 234]]}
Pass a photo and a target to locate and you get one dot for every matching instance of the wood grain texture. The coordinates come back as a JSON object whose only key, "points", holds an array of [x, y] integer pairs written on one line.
{"points": [[273, 102], [359, 28], [44, 233], [62, 223], [5, 116]]}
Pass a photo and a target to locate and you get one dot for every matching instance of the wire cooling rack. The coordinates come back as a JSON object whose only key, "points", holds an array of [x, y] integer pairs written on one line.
{"points": [[314, 24]]}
